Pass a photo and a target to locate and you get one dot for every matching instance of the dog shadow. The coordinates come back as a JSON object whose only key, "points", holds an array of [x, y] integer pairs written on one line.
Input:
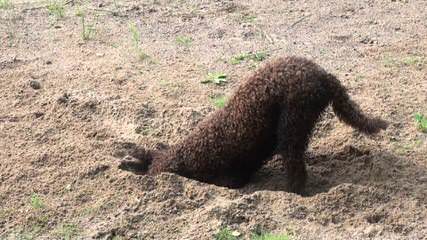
{"points": [[381, 169]]}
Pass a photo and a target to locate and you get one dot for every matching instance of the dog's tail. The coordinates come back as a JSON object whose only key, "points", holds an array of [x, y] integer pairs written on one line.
{"points": [[349, 112]]}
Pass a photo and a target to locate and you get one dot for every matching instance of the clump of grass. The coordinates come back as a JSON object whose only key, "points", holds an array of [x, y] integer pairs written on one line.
{"points": [[36, 202], [135, 34], [88, 30], [422, 122], [238, 58], [136, 40], [412, 60], [219, 101], [256, 57], [225, 234], [5, 4], [248, 18], [409, 60], [269, 236], [259, 56], [67, 231], [56, 8], [184, 41], [216, 78]]}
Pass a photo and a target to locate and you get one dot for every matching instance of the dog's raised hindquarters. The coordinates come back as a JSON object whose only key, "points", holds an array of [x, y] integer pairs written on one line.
{"points": [[272, 112]]}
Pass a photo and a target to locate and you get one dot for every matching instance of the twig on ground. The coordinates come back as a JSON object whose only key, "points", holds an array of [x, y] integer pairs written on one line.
{"points": [[299, 20]]}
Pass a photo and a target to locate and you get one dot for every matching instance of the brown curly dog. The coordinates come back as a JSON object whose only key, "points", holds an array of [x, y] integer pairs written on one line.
{"points": [[272, 112]]}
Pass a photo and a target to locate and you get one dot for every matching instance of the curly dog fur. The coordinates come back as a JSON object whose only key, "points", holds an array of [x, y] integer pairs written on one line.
{"points": [[273, 112]]}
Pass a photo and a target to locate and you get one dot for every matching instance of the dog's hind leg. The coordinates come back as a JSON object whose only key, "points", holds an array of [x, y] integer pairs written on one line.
{"points": [[292, 139]]}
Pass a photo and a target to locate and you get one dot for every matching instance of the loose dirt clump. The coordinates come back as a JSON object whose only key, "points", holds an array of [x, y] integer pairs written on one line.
{"points": [[103, 93]]}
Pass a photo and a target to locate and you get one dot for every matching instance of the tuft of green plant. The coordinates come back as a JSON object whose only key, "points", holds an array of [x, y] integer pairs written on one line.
{"points": [[256, 57], [219, 101], [135, 34], [67, 231], [409, 60], [36, 201], [56, 8], [88, 30], [322, 51], [225, 234], [239, 58], [216, 78], [412, 60], [136, 40], [259, 56], [422, 122], [248, 18], [184, 40], [269, 236], [5, 4]]}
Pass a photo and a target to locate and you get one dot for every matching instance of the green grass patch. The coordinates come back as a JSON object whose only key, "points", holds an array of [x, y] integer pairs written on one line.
{"points": [[136, 41], [242, 57], [219, 101], [36, 201], [248, 18], [225, 234], [56, 9], [412, 60], [216, 78], [88, 30], [409, 60], [5, 4], [135, 34], [237, 59], [421, 122], [270, 236], [184, 41]]}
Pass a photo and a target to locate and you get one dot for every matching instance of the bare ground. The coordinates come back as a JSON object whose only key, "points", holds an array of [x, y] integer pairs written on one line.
{"points": [[60, 144]]}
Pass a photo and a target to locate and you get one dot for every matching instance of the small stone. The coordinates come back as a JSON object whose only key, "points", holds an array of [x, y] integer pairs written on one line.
{"points": [[371, 231], [38, 114], [35, 84], [236, 233], [64, 98], [423, 179], [48, 62]]}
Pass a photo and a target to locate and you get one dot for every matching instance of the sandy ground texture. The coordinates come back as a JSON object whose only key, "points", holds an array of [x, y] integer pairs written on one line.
{"points": [[82, 83]]}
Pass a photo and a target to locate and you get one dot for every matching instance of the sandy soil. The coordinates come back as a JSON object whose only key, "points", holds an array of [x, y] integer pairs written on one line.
{"points": [[70, 109]]}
